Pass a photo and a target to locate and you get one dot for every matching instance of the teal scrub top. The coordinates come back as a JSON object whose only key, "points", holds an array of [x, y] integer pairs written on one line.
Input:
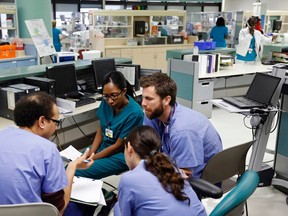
{"points": [[120, 124], [250, 56], [218, 33]]}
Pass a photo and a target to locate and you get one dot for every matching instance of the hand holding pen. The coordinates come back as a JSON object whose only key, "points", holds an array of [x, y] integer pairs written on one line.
{"points": [[84, 162]]}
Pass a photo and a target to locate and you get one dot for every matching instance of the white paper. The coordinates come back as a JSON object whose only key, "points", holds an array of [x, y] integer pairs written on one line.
{"points": [[70, 153], [87, 190], [128, 72]]}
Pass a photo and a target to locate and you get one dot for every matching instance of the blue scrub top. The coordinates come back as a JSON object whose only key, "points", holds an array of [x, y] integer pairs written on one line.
{"points": [[190, 139], [141, 194]]}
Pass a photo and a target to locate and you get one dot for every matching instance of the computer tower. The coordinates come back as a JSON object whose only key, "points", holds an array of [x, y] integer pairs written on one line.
{"points": [[8, 97], [25, 87], [45, 84]]}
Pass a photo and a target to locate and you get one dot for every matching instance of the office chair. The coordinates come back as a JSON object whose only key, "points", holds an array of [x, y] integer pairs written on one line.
{"points": [[220, 169], [29, 209]]}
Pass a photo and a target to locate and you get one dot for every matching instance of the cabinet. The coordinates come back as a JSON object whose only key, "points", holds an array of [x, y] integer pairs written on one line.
{"points": [[119, 26], [202, 23], [18, 62], [276, 15], [8, 22], [153, 57]]}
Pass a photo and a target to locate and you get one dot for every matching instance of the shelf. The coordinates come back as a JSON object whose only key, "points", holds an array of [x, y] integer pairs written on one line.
{"points": [[7, 28], [8, 12]]}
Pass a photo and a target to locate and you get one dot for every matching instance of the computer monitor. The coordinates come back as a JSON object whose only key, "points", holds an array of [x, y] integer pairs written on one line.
{"points": [[277, 24], [65, 79], [131, 73], [148, 71], [101, 67]]}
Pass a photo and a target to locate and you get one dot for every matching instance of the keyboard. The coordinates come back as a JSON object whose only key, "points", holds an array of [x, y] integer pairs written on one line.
{"points": [[242, 102], [84, 101]]}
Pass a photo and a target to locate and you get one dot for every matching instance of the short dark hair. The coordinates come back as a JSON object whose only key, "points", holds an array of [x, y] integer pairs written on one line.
{"points": [[120, 81], [252, 20], [163, 84], [220, 21], [31, 107]]}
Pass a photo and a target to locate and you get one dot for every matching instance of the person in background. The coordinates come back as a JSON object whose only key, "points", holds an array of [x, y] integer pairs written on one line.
{"points": [[258, 25], [57, 37], [250, 42], [219, 33], [187, 136], [118, 114], [32, 169], [153, 186]]}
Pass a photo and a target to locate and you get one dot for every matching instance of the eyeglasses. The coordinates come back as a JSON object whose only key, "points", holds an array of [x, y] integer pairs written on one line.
{"points": [[58, 122], [113, 96]]}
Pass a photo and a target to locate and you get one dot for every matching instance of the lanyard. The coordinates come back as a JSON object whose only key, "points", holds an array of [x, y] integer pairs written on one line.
{"points": [[165, 132]]}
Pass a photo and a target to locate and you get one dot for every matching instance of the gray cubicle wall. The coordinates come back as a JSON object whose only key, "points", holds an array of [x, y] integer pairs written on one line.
{"points": [[185, 74]]}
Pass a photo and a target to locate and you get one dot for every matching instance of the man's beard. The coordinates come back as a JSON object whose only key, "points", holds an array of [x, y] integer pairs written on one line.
{"points": [[156, 113]]}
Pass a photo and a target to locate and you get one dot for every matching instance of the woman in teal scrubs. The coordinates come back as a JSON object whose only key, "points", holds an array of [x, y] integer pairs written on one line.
{"points": [[219, 33], [118, 114]]}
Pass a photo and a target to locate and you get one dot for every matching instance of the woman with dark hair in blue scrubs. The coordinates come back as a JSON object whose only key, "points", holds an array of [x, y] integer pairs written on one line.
{"points": [[219, 33], [153, 186]]}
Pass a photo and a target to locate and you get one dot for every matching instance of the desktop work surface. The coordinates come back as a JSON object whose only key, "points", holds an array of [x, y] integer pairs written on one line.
{"points": [[39, 70]]}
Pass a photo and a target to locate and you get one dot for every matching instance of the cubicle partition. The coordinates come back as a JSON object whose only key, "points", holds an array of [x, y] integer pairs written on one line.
{"points": [[190, 92]]}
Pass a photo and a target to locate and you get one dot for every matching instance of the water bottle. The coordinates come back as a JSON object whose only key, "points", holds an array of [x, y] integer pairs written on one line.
{"points": [[195, 50]]}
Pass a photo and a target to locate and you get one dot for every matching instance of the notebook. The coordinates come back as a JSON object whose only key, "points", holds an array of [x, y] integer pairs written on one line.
{"points": [[259, 94]]}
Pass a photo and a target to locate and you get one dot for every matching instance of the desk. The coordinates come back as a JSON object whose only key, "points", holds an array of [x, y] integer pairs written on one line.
{"points": [[69, 134], [229, 81], [178, 53]]}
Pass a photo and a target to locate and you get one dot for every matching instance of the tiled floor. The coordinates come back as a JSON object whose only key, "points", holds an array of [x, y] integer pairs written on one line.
{"points": [[266, 201]]}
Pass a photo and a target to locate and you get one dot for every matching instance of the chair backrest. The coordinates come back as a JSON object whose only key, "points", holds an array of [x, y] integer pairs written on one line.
{"points": [[240, 193], [29, 209], [226, 164]]}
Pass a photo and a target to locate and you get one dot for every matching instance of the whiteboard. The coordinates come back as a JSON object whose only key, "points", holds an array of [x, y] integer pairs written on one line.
{"points": [[40, 37]]}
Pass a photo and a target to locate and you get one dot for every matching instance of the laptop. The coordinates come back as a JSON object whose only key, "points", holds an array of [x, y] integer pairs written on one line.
{"points": [[259, 94], [66, 86]]}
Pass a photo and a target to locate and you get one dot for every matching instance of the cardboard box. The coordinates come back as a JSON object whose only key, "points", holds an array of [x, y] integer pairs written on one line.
{"points": [[192, 39], [7, 51]]}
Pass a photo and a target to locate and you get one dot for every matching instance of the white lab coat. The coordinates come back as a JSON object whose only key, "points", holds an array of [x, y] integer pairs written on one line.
{"points": [[245, 39]]}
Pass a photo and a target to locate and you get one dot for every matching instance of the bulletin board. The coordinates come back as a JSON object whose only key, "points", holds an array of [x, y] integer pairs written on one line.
{"points": [[40, 37]]}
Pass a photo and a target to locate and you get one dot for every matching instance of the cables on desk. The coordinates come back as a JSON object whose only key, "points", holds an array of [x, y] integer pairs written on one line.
{"points": [[76, 123]]}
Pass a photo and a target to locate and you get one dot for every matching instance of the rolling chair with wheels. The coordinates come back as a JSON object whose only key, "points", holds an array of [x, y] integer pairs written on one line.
{"points": [[220, 170], [29, 209]]}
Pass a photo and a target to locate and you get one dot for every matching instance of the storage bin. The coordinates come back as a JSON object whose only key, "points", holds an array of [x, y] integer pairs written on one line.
{"points": [[205, 45], [91, 54], [7, 51]]}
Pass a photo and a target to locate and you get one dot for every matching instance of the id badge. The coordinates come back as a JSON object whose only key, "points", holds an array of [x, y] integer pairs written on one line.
{"points": [[109, 133]]}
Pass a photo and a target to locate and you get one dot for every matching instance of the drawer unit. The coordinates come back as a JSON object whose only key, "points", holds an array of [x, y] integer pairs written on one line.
{"points": [[28, 62], [219, 83], [112, 53], [239, 80], [205, 90], [204, 107]]}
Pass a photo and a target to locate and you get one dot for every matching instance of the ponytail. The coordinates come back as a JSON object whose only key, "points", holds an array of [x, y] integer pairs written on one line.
{"points": [[160, 166]]}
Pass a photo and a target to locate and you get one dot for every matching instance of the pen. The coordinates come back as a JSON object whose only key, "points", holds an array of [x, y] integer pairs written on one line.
{"points": [[86, 161]]}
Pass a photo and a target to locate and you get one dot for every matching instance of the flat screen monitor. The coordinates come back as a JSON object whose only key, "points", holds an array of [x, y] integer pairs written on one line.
{"points": [[277, 25], [101, 67], [65, 79], [132, 74], [148, 71]]}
